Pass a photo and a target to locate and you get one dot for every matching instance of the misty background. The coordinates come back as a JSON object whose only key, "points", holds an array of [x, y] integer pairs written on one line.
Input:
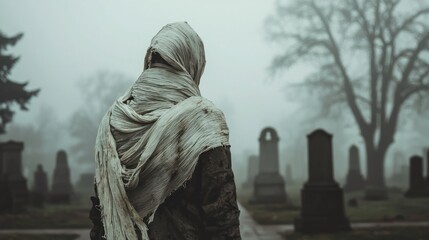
{"points": [[85, 54]]}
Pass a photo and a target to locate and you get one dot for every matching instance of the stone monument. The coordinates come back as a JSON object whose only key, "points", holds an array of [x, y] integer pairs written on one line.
{"points": [[417, 182], [354, 179], [11, 159], [61, 186], [269, 186], [322, 204]]}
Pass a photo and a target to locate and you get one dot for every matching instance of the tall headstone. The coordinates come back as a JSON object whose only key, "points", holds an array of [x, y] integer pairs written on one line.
{"points": [[354, 179], [252, 171], [322, 204], [40, 190], [61, 186], [269, 186], [417, 182], [11, 158]]}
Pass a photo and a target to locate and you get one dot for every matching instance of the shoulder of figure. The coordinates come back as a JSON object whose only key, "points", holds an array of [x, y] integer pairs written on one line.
{"points": [[203, 103]]}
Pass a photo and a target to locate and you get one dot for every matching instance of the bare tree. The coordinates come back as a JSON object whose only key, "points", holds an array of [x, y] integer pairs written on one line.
{"points": [[372, 56], [98, 92]]}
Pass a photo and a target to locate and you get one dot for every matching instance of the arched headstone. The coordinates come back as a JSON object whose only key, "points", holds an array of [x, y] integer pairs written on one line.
{"points": [[269, 185], [322, 204], [354, 179], [61, 185]]}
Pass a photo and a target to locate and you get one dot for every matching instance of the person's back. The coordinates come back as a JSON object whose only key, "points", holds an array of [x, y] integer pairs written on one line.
{"points": [[162, 153]]}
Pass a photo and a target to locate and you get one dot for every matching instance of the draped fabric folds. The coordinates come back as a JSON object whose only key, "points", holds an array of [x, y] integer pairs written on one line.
{"points": [[149, 141]]}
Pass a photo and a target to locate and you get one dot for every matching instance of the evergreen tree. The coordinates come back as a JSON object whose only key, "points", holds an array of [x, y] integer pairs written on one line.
{"points": [[10, 92]]}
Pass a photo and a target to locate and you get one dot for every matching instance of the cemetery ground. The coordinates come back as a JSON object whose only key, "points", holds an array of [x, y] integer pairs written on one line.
{"points": [[409, 233], [71, 216], [395, 210], [38, 236]]}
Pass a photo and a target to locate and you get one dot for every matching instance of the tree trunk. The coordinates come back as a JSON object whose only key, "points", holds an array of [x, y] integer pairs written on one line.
{"points": [[375, 168], [375, 185]]}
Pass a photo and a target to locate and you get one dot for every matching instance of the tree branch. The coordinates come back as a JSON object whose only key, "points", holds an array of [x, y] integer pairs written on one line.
{"points": [[421, 45], [370, 37], [407, 22], [413, 90], [347, 83]]}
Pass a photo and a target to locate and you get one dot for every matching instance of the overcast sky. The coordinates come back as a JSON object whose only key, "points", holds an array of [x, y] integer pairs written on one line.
{"points": [[67, 41]]}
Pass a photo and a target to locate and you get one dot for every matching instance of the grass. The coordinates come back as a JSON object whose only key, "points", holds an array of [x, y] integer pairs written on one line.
{"points": [[409, 233], [272, 213], [75, 215], [397, 207], [38, 236]]}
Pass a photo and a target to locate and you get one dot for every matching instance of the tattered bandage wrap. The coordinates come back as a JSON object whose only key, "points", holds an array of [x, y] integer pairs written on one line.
{"points": [[149, 141]]}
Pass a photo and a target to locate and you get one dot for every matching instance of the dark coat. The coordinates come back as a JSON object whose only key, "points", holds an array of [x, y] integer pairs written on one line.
{"points": [[206, 208]]}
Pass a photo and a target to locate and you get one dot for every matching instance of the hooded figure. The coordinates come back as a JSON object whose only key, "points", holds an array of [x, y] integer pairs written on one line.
{"points": [[163, 165]]}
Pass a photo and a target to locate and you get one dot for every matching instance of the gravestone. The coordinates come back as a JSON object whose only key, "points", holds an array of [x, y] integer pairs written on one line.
{"points": [[40, 190], [354, 179], [322, 203], [269, 186], [61, 187], [11, 159], [86, 183], [6, 201], [252, 171], [417, 183]]}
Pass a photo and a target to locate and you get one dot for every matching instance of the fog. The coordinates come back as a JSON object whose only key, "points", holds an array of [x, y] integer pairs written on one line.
{"points": [[68, 44]]}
